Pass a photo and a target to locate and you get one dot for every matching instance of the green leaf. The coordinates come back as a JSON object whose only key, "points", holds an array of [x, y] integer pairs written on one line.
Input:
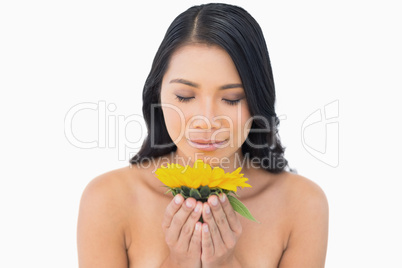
{"points": [[194, 193], [175, 191], [185, 190], [205, 191], [183, 194], [241, 208], [171, 190]]}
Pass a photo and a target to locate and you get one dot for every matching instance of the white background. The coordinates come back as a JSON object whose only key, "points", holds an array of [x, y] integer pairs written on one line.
{"points": [[58, 54]]}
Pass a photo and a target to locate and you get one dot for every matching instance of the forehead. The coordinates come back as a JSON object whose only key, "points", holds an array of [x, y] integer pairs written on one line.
{"points": [[201, 61]]}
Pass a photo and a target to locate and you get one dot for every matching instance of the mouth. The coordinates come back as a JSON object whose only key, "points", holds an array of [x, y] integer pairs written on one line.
{"points": [[207, 145], [201, 141]]}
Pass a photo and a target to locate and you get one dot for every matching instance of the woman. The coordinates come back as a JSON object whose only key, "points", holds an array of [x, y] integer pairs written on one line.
{"points": [[210, 95]]}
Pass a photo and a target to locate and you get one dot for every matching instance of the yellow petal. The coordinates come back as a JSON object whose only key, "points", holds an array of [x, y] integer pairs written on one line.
{"points": [[175, 175]]}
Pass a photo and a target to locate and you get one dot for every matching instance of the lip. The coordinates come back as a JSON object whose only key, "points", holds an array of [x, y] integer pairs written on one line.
{"points": [[206, 145], [202, 141]]}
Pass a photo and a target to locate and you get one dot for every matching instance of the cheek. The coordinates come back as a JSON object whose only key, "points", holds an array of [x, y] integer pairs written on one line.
{"points": [[174, 120], [246, 129], [246, 122]]}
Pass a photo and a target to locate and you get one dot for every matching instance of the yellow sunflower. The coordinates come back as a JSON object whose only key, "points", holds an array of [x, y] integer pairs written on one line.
{"points": [[201, 174], [202, 181]]}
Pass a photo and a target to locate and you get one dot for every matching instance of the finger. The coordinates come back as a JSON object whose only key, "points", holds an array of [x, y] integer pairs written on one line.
{"points": [[231, 215], [178, 220], [187, 230], [195, 243], [171, 210], [212, 228], [207, 243], [221, 222]]}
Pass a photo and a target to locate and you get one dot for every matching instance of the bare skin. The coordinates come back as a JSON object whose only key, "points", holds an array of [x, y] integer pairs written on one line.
{"points": [[122, 212], [126, 220]]}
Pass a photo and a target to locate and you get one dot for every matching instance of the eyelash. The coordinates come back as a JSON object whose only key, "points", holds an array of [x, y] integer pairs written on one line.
{"points": [[230, 102]]}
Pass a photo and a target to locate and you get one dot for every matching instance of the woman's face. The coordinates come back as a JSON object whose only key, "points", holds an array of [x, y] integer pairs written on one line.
{"points": [[203, 102]]}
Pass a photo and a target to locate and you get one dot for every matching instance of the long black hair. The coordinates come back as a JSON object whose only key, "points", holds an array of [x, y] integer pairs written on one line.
{"points": [[236, 31]]}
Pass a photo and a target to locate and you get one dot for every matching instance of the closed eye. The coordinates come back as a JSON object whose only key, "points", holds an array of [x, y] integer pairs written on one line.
{"points": [[183, 99], [230, 102]]}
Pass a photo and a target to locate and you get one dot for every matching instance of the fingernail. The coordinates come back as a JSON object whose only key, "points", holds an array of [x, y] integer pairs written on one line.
{"points": [[222, 198], [198, 207], [214, 201], [197, 226], [205, 227], [207, 209], [189, 204], [177, 200]]}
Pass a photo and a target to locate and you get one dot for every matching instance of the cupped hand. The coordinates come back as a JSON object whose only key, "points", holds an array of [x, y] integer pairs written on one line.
{"points": [[220, 232], [183, 232]]}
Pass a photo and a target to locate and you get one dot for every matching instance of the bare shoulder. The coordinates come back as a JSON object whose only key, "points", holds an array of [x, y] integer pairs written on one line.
{"points": [[309, 212], [106, 189], [293, 188], [111, 190], [303, 198], [304, 192], [103, 197], [103, 220], [109, 182]]}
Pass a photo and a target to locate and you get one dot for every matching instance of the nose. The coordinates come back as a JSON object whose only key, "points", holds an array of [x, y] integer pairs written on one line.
{"points": [[203, 122], [206, 119]]}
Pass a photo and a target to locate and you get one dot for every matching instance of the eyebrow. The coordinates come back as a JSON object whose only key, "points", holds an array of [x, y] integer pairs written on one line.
{"points": [[192, 84]]}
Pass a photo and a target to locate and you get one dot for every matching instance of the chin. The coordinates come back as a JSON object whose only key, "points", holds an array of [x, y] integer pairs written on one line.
{"points": [[212, 160]]}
